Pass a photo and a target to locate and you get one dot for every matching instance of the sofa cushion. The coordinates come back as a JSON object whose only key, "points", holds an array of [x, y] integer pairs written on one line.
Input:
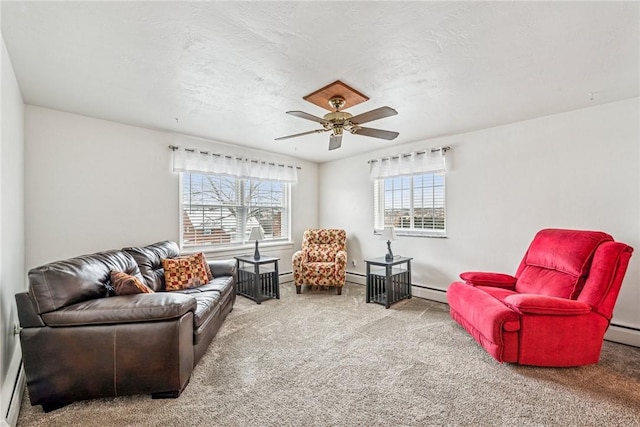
{"points": [[150, 257], [83, 278], [208, 306], [125, 284], [223, 285]]}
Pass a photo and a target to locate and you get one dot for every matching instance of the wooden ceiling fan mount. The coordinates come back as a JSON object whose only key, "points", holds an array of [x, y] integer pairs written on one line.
{"points": [[323, 96]]}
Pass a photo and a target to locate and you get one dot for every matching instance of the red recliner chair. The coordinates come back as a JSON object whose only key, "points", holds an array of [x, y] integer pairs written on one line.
{"points": [[555, 310]]}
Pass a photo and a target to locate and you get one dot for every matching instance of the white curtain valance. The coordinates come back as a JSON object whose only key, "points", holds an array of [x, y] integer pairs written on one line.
{"points": [[192, 160], [432, 160]]}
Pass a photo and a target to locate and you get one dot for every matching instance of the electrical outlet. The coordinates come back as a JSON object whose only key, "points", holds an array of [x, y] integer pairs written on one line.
{"points": [[353, 262]]}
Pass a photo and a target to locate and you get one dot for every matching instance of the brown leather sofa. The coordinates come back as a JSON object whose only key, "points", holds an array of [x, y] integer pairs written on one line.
{"points": [[80, 343]]}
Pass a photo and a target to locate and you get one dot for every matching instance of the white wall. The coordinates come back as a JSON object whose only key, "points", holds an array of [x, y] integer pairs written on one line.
{"points": [[94, 185], [574, 170], [12, 274]]}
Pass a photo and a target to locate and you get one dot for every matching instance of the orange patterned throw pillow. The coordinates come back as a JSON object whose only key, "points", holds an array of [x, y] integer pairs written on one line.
{"points": [[126, 284], [201, 259], [184, 273]]}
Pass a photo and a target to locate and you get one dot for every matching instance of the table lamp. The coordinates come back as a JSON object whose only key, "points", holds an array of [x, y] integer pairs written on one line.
{"points": [[257, 235], [388, 234]]}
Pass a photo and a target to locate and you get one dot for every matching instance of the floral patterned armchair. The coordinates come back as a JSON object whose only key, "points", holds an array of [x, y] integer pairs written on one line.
{"points": [[322, 260]]}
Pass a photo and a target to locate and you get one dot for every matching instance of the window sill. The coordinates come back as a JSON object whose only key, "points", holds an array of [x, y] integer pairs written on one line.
{"points": [[415, 233], [237, 250]]}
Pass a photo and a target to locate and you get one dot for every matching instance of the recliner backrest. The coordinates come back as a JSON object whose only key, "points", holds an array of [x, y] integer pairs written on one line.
{"points": [[558, 261], [605, 277], [322, 244]]}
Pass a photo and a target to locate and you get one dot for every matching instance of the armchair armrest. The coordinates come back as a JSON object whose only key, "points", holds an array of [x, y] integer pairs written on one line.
{"points": [[225, 267], [341, 258], [480, 278], [123, 309], [298, 258], [543, 304]]}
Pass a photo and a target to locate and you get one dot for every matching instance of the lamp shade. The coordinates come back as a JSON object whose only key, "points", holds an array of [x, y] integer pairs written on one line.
{"points": [[389, 233], [256, 234]]}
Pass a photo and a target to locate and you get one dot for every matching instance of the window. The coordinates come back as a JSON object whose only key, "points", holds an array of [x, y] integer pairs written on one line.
{"points": [[221, 210], [413, 204]]}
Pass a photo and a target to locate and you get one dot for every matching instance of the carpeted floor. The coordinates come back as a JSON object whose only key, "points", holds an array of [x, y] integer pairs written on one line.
{"points": [[319, 359]]}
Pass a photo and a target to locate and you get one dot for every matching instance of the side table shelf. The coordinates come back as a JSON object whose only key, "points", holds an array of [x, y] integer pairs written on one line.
{"points": [[257, 280], [388, 281]]}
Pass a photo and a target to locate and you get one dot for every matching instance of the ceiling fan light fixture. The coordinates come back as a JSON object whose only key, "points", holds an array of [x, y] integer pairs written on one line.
{"points": [[337, 121], [337, 102]]}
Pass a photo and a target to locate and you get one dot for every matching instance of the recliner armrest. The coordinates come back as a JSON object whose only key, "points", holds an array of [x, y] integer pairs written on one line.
{"points": [[481, 278], [543, 304]]}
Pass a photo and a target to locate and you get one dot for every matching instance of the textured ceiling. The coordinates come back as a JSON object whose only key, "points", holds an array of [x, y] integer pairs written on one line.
{"points": [[228, 71]]}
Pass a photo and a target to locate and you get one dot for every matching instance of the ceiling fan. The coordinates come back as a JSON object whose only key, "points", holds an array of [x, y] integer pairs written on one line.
{"points": [[338, 121]]}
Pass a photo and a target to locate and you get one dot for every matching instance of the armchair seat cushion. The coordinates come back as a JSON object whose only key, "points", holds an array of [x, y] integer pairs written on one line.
{"points": [[320, 273]]}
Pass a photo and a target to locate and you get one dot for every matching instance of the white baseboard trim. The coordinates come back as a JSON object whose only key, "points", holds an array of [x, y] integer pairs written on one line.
{"points": [[16, 400], [286, 277], [13, 389], [615, 333], [356, 278], [430, 294], [623, 335]]}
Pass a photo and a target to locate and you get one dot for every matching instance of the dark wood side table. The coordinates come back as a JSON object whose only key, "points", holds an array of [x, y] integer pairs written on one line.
{"points": [[388, 281], [257, 280]]}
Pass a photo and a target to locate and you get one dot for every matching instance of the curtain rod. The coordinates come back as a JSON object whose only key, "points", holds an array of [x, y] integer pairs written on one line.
{"points": [[193, 150], [433, 150]]}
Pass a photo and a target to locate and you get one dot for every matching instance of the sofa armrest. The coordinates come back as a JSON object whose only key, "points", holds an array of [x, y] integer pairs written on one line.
{"points": [[123, 309], [481, 278], [543, 304], [341, 258], [225, 267], [27, 314]]}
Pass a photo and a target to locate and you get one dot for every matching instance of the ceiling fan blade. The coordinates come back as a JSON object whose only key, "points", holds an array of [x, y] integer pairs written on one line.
{"points": [[335, 142], [376, 133], [369, 116], [301, 134], [307, 116]]}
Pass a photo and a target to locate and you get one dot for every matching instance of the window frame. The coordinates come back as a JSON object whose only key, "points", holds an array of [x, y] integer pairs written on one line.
{"points": [[244, 242], [379, 207]]}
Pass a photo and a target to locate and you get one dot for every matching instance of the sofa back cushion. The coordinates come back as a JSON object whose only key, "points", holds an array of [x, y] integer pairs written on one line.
{"points": [[58, 284], [557, 262], [149, 259], [322, 244]]}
